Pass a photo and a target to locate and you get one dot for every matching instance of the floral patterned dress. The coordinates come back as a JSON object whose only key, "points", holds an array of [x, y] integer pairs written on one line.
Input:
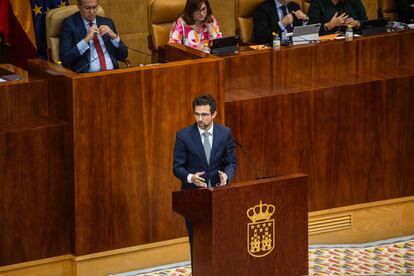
{"points": [[183, 33]]}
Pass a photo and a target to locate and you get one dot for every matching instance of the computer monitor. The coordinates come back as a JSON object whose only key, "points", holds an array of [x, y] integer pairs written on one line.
{"points": [[374, 26], [225, 45]]}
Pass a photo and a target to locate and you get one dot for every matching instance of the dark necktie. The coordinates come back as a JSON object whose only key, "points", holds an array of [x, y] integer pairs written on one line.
{"points": [[99, 50], [289, 28]]}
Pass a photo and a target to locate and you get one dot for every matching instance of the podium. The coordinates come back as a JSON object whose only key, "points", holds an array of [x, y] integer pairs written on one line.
{"points": [[252, 228]]}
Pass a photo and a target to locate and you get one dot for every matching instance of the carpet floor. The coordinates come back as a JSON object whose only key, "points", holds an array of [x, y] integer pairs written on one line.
{"points": [[386, 257]]}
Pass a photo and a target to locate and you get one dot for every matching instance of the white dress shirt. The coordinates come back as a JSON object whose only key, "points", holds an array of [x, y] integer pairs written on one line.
{"points": [[94, 59]]}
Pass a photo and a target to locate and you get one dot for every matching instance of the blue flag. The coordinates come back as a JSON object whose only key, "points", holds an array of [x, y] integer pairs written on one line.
{"points": [[39, 11]]}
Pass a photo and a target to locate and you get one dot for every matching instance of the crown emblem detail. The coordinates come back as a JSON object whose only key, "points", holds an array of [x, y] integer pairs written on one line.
{"points": [[261, 212]]}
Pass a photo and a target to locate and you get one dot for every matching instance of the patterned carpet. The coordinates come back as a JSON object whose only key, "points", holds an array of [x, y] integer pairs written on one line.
{"points": [[387, 257]]}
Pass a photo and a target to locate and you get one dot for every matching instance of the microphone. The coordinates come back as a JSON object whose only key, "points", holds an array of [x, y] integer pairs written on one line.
{"points": [[89, 63], [146, 54], [249, 159]]}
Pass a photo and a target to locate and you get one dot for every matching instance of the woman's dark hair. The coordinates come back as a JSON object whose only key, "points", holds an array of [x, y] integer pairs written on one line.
{"points": [[191, 6]]}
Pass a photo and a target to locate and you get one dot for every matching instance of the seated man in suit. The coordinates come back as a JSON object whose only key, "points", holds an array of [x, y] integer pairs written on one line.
{"points": [[204, 152], [276, 16], [405, 9], [90, 43]]}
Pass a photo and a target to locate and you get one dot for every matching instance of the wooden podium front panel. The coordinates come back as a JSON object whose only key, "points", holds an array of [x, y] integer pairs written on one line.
{"points": [[230, 222], [223, 228]]}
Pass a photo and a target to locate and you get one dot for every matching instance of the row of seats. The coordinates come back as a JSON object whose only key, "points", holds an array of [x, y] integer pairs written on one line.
{"points": [[162, 13]]}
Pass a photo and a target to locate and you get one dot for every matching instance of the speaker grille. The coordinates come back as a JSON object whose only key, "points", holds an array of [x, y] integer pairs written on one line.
{"points": [[329, 224]]}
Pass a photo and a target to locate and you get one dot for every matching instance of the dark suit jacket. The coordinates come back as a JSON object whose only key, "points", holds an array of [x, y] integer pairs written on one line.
{"points": [[322, 11], [189, 156], [73, 31], [405, 11], [265, 21]]}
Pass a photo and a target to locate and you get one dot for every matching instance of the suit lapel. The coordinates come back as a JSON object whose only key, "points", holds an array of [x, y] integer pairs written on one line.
{"points": [[217, 137], [274, 14], [80, 26]]}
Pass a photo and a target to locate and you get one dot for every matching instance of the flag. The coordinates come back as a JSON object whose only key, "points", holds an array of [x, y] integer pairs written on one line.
{"points": [[4, 17], [16, 26], [39, 10]]}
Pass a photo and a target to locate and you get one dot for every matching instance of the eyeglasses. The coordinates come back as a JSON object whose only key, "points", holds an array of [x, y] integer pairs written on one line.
{"points": [[203, 115], [90, 9], [199, 11]]}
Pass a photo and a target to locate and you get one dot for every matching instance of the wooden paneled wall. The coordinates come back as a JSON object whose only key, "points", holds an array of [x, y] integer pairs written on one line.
{"points": [[35, 196], [353, 141], [340, 112], [120, 139]]}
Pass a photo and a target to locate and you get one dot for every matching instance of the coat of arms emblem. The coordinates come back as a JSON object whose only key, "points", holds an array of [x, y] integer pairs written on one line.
{"points": [[261, 230]]}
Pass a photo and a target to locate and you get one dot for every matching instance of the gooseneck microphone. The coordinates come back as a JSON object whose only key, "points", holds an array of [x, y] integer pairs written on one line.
{"points": [[146, 54], [90, 62], [249, 159]]}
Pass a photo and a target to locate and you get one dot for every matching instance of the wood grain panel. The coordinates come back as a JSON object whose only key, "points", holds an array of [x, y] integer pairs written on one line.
{"points": [[35, 199], [370, 222], [307, 66], [221, 226], [354, 141], [22, 99], [124, 126]]}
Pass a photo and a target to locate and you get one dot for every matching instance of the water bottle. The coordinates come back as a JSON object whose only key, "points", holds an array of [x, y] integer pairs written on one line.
{"points": [[349, 33], [206, 47], [276, 41]]}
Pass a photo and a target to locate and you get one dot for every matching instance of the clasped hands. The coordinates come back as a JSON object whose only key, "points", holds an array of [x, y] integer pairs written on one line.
{"points": [[342, 20], [201, 182], [102, 30], [288, 19]]}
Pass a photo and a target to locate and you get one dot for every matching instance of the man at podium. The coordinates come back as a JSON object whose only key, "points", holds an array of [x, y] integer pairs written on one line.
{"points": [[204, 152]]}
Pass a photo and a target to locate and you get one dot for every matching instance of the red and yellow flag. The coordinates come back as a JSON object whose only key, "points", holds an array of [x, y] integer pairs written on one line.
{"points": [[16, 25]]}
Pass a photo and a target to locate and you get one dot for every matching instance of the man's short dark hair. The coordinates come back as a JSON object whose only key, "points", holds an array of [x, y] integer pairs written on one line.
{"points": [[205, 100]]}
